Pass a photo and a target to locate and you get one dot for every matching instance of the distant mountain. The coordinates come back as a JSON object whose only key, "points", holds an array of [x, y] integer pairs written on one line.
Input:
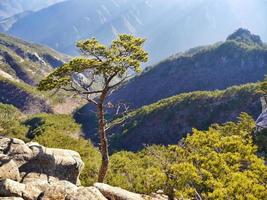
{"points": [[169, 26], [7, 23], [9, 8], [22, 65], [169, 120], [241, 59]]}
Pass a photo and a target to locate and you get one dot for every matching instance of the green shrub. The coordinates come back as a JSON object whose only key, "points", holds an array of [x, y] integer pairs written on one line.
{"points": [[220, 163], [10, 122]]}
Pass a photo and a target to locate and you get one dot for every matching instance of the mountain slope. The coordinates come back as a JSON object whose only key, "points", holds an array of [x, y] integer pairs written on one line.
{"points": [[27, 62], [241, 59], [169, 26], [168, 120], [24, 97], [22, 65]]}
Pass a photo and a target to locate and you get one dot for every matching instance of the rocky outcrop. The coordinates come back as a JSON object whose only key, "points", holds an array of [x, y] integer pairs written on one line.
{"points": [[244, 35], [34, 161], [261, 122], [29, 171]]}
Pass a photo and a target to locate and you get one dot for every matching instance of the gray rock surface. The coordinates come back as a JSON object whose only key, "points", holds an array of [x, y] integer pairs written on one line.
{"points": [[10, 188], [54, 163], [86, 193], [117, 193], [15, 149], [261, 122], [35, 161], [8, 168]]}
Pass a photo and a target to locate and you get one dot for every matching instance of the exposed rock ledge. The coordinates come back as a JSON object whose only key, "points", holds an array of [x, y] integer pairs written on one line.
{"points": [[33, 172]]}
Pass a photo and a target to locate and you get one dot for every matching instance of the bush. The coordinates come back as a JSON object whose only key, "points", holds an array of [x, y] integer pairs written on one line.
{"points": [[220, 163], [10, 122]]}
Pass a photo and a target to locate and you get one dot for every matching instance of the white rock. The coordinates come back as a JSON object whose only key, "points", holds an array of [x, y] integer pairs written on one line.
{"points": [[8, 168], [10, 188]]}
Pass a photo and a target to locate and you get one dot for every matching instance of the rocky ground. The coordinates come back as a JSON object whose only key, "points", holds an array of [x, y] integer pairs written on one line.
{"points": [[29, 171]]}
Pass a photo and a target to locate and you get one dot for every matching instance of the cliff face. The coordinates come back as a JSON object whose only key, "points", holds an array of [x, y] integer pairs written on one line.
{"points": [[29, 171]]}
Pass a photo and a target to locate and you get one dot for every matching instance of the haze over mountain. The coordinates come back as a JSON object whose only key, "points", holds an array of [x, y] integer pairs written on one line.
{"points": [[169, 26], [9, 8], [241, 59]]}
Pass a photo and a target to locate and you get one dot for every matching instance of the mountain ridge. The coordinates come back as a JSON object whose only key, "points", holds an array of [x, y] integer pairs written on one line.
{"points": [[212, 67], [169, 120], [178, 30]]}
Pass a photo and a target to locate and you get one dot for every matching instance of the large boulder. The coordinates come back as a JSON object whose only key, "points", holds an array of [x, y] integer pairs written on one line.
{"points": [[37, 162], [86, 193], [54, 163], [116, 193]]}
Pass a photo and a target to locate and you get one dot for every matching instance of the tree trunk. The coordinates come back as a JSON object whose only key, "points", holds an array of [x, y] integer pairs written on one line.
{"points": [[171, 194], [103, 143]]}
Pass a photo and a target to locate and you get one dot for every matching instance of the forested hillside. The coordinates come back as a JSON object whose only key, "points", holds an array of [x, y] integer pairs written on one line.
{"points": [[241, 59], [169, 120]]}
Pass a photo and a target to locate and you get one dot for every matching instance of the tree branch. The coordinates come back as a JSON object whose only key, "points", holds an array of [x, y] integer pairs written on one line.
{"points": [[91, 100], [117, 84]]}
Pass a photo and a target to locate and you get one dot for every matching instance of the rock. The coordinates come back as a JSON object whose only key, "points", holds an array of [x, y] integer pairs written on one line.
{"points": [[158, 197], [37, 162], [11, 198], [15, 149], [60, 189], [8, 168], [86, 193], [244, 35], [261, 122], [54, 163], [116, 193], [10, 188]]}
